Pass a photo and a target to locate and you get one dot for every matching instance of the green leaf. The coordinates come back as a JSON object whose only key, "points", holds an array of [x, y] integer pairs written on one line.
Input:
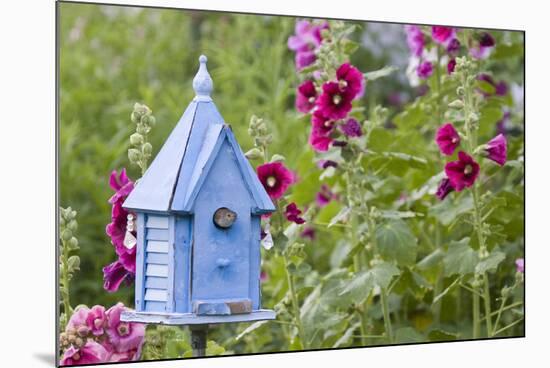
{"points": [[407, 335], [250, 328], [490, 264], [363, 283], [350, 47], [431, 260], [212, 348], [460, 258], [441, 335], [396, 241], [380, 73], [447, 211], [346, 337], [341, 216], [399, 214], [446, 291]]}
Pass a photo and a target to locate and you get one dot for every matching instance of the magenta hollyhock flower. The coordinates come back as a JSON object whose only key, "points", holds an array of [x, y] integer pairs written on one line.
{"points": [[308, 233], [483, 46], [292, 214], [305, 42], [486, 40], [306, 96], [324, 196], [334, 103], [447, 139], [78, 318], [415, 39], [463, 172], [495, 149], [275, 178], [350, 79], [90, 353], [114, 274], [424, 70], [122, 185], [321, 129], [453, 47], [97, 320], [520, 265], [351, 128], [444, 188], [451, 66], [264, 276], [124, 336], [442, 34]]}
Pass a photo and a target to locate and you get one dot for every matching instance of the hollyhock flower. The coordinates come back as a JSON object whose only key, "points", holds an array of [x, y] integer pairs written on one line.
{"points": [[350, 79], [292, 213], [333, 102], [306, 96], [127, 356], [415, 39], [351, 128], [502, 123], [321, 129], [124, 336], [275, 178], [451, 66], [442, 34], [484, 45], [324, 196], [444, 188], [424, 70], [447, 139], [463, 172], [122, 185], [501, 88], [114, 274], [78, 318], [323, 164], [486, 40], [263, 276], [96, 320], [453, 47], [520, 265], [495, 149], [308, 233], [305, 41], [90, 353]]}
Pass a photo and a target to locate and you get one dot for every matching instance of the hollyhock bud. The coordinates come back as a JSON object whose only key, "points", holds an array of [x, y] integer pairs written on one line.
{"points": [[292, 214], [444, 189], [495, 149], [351, 128], [451, 66], [463, 172], [447, 139]]}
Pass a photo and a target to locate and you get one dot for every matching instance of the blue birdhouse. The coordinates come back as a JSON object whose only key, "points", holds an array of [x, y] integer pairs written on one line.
{"points": [[198, 209]]}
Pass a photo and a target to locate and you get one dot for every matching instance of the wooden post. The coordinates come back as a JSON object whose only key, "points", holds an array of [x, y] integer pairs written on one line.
{"points": [[198, 339]]}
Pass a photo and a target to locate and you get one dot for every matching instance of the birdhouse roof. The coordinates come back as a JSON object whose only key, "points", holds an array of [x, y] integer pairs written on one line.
{"points": [[172, 181]]}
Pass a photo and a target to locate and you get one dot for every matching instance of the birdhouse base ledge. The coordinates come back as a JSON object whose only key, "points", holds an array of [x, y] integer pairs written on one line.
{"points": [[193, 319]]}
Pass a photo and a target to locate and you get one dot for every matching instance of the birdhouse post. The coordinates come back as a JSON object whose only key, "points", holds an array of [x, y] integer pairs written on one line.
{"points": [[197, 210]]}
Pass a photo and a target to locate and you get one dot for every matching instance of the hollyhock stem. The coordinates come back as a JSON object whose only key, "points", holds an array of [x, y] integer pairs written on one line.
{"points": [[386, 313], [475, 313], [295, 304]]}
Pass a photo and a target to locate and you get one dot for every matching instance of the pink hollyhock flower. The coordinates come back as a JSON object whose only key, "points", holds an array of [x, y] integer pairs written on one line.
{"points": [[306, 96], [453, 47], [451, 66], [114, 274], [275, 178], [124, 336], [447, 139], [463, 172], [415, 39], [442, 34], [324, 196], [520, 265], [321, 129], [444, 188], [78, 318], [90, 353], [96, 320], [483, 46], [351, 128], [334, 103], [263, 276], [122, 185], [308, 233], [350, 79], [424, 70], [292, 214], [127, 356], [305, 41], [495, 149]]}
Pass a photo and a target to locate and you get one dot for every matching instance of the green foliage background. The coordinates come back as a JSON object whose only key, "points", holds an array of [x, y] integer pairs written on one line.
{"points": [[111, 57]]}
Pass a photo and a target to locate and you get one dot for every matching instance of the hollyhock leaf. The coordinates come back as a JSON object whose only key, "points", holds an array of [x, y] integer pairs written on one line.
{"points": [[490, 264], [460, 258], [364, 282], [341, 216], [396, 241], [250, 328], [448, 211], [441, 335], [408, 335], [399, 214], [380, 73]]}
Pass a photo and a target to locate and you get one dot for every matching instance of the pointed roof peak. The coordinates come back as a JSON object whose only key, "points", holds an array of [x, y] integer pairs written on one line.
{"points": [[202, 83]]}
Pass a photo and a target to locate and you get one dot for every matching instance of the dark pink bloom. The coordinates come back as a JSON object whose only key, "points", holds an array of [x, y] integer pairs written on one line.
{"points": [[90, 353], [275, 178], [444, 188], [486, 40], [451, 66], [483, 46], [97, 320], [447, 139], [520, 265], [463, 172], [78, 319], [306, 96], [495, 149], [124, 336], [334, 103], [424, 70], [305, 41], [453, 47], [415, 39], [308, 233], [292, 213], [324, 196], [350, 79], [321, 129], [442, 34], [351, 128], [114, 274], [122, 185]]}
